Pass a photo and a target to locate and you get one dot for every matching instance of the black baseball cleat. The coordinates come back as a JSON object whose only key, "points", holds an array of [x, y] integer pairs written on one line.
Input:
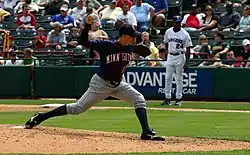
{"points": [[151, 135], [166, 102], [33, 121], [177, 102]]}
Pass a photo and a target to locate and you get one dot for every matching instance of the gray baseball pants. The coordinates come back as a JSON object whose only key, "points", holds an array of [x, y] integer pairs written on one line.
{"points": [[99, 89]]}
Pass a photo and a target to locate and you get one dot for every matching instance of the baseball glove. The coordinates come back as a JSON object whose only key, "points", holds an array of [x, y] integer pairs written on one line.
{"points": [[142, 50]]}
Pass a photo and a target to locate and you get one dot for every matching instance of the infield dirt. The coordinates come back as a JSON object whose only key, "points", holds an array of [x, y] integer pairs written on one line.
{"points": [[59, 140]]}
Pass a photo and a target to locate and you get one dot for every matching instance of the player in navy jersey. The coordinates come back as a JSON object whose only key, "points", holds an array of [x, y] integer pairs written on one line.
{"points": [[114, 59]]}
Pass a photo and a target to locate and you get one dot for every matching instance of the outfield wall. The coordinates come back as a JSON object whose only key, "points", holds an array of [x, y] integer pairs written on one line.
{"points": [[72, 81]]}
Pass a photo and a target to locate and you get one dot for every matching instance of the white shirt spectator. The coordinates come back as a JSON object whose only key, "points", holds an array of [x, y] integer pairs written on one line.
{"points": [[129, 18], [10, 4], [77, 13], [16, 63]]}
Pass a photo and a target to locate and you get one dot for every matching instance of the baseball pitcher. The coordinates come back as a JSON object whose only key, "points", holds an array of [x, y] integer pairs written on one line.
{"points": [[114, 59], [177, 44]]}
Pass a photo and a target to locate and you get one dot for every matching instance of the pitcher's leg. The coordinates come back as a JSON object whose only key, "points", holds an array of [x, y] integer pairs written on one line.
{"points": [[127, 93], [95, 93]]}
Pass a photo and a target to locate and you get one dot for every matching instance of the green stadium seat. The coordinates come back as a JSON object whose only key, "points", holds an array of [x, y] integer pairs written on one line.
{"points": [[21, 44], [10, 19], [228, 34], [28, 35], [242, 35], [210, 34], [46, 26], [113, 34], [195, 34], [43, 19]]}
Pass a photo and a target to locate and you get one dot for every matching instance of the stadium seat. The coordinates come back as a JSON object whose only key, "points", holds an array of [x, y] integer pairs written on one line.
{"points": [[28, 35], [195, 34], [228, 34], [43, 19], [16, 35], [157, 40], [46, 26], [113, 34], [210, 34], [60, 59], [10, 19], [9, 26], [241, 35], [21, 44]]}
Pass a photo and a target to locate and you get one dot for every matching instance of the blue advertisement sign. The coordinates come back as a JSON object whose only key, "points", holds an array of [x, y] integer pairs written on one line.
{"points": [[151, 82]]}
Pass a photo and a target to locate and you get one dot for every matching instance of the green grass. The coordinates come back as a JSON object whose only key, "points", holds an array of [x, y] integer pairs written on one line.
{"points": [[118, 103], [241, 152], [234, 126]]}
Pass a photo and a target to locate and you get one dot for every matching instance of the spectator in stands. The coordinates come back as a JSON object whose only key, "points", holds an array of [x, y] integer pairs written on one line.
{"points": [[197, 49], [143, 13], [97, 7], [213, 62], [245, 2], [90, 14], [109, 15], [154, 50], [56, 38], [40, 39], [210, 21], [244, 25], [29, 60], [33, 6], [12, 47], [64, 18], [74, 37], [121, 3], [161, 9], [3, 14], [228, 20], [191, 22], [26, 21], [246, 53], [162, 56], [79, 11], [9, 4], [41, 3], [13, 60], [126, 17], [219, 47], [96, 34], [230, 60], [53, 7]]}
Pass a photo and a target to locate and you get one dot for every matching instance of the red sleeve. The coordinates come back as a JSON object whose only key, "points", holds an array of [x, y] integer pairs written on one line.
{"points": [[33, 20], [19, 23], [44, 39]]}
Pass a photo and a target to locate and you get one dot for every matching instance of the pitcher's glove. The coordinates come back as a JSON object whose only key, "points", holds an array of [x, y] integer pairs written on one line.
{"points": [[142, 50]]}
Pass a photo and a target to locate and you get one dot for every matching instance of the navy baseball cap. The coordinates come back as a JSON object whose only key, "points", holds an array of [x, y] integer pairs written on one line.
{"points": [[127, 29], [177, 19]]}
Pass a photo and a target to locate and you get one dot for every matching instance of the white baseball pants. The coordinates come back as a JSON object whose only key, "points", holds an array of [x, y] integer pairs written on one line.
{"points": [[175, 65]]}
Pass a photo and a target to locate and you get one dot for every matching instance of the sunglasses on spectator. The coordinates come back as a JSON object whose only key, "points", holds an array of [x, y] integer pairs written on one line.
{"points": [[230, 54]]}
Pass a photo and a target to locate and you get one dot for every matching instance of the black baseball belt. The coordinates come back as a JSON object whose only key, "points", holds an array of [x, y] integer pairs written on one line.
{"points": [[178, 53]]}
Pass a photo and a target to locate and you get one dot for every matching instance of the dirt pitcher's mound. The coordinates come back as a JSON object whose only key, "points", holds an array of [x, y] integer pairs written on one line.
{"points": [[58, 140]]}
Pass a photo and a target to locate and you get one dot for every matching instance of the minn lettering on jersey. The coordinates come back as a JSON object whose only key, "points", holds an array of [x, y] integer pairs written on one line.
{"points": [[116, 57]]}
